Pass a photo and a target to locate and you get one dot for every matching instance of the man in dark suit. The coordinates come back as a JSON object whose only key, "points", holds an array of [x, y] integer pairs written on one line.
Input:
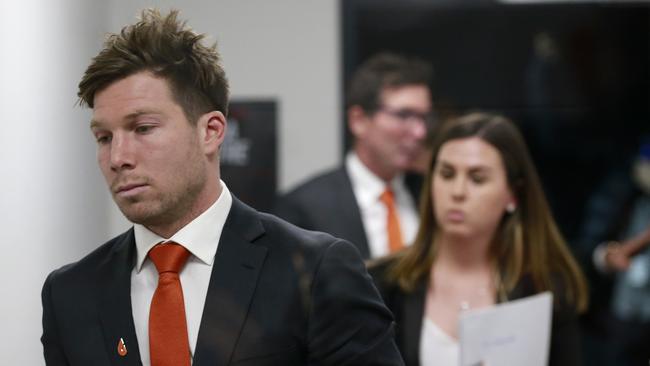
{"points": [[201, 278], [367, 200]]}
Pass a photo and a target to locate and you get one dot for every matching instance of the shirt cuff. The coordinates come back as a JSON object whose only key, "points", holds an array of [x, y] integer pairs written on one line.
{"points": [[599, 258]]}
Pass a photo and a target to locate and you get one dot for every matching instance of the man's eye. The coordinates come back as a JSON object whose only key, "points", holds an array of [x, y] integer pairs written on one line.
{"points": [[143, 129], [403, 114], [103, 139], [408, 114]]}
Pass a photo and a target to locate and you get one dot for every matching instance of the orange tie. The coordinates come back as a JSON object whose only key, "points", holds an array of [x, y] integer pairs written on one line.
{"points": [[168, 340], [392, 221]]}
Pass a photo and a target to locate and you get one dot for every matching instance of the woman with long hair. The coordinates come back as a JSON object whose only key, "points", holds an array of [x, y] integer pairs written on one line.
{"points": [[486, 236]]}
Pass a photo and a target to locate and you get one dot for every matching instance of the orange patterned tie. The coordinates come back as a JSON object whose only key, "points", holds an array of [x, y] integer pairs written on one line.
{"points": [[395, 242], [168, 340]]}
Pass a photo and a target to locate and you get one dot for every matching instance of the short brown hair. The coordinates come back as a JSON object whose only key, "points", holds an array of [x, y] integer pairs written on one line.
{"points": [[166, 47], [385, 70]]}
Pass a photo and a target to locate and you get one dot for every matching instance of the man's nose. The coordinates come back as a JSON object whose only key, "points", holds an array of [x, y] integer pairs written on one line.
{"points": [[418, 128], [122, 156]]}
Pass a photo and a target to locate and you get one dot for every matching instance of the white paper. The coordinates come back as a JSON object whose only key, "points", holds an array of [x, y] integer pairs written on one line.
{"points": [[513, 333]]}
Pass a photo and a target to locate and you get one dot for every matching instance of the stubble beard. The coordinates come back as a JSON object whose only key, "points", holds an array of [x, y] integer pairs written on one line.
{"points": [[166, 209]]}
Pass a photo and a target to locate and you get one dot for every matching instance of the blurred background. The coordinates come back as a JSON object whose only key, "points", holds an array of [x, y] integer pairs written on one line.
{"points": [[573, 74]]}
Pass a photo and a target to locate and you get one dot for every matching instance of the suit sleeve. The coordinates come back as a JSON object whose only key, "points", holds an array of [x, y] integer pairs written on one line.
{"points": [[348, 322], [287, 208], [52, 349]]}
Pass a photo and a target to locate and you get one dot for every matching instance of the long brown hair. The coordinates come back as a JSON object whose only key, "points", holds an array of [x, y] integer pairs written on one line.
{"points": [[527, 241]]}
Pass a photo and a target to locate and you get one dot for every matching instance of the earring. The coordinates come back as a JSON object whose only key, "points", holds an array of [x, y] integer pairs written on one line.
{"points": [[511, 207]]}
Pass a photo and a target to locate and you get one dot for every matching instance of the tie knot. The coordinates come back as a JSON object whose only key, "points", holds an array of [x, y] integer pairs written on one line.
{"points": [[168, 257], [387, 197]]}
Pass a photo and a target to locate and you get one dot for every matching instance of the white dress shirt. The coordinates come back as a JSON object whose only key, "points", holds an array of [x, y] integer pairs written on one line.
{"points": [[367, 188], [201, 238]]}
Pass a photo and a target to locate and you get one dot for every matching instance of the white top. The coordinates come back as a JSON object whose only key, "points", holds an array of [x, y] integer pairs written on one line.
{"points": [[437, 348], [367, 188], [201, 238]]}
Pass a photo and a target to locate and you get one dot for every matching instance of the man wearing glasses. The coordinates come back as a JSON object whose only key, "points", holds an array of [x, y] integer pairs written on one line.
{"points": [[366, 200]]}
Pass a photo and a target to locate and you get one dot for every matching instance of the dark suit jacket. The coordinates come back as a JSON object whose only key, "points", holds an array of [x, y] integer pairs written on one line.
{"points": [[408, 309], [278, 295], [327, 203]]}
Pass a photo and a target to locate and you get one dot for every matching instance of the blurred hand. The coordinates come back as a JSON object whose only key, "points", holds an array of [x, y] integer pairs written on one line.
{"points": [[619, 255]]}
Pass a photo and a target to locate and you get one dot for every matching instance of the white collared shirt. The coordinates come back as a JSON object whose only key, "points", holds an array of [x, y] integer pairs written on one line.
{"points": [[201, 237], [367, 188]]}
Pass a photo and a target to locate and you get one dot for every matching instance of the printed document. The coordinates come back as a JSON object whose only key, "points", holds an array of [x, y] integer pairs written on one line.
{"points": [[514, 333]]}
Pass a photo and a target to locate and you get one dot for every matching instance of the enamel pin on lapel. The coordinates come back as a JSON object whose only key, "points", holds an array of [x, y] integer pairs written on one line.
{"points": [[121, 348]]}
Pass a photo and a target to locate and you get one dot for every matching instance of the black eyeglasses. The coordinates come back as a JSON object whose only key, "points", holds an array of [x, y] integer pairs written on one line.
{"points": [[406, 114]]}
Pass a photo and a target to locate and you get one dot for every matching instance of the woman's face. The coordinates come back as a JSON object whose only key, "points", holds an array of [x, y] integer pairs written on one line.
{"points": [[470, 190]]}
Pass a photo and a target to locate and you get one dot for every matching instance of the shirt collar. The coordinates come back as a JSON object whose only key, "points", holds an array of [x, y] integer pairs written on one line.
{"points": [[366, 185], [200, 236]]}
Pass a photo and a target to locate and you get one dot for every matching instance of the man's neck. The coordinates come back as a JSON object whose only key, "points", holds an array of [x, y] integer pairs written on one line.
{"points": [[377, 168], [206, 199]]}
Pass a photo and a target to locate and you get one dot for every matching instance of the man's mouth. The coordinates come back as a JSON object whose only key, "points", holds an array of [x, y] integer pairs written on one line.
{"points": [[128, 190]]}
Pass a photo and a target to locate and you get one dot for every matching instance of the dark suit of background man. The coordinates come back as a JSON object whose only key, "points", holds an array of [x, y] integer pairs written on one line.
{"points": [[254, 290], [388, 110]]}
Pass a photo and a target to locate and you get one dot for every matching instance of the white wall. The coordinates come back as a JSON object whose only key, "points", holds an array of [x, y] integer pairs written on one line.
{"points": [[54, 204], [52, 199]]}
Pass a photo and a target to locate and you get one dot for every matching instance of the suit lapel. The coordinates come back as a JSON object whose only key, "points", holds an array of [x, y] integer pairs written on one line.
{"points": [[114, 286], [236, 268], [349, 213]]}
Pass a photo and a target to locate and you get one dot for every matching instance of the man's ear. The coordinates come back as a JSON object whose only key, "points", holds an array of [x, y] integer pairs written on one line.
{"points": [[358, 121], [212, 131]]}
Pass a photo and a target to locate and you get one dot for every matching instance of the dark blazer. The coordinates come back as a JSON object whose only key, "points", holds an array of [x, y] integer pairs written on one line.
{"points": [[408, 309], [278, 295], [327, 203]]}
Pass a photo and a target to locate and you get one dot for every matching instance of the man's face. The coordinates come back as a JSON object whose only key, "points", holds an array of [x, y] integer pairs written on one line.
{"points": [[390, 139], [148, 152]]}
